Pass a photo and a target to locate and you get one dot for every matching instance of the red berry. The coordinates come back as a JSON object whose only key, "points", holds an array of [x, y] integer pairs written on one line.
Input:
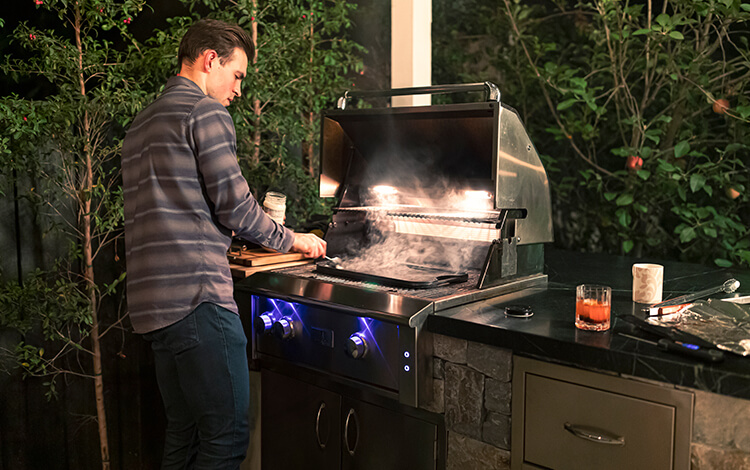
{"points": [[24, 118], [720, 106], [304, 16], [732, 193], [634, 163]]}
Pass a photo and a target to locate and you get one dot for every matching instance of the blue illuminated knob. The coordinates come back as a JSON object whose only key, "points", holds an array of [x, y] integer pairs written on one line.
{"points": [[283, 328], [357, 346], [263, 323]]}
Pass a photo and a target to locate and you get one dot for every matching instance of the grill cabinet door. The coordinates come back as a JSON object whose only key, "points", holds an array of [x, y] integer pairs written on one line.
{"points": [[299, 425], [375, 438]]}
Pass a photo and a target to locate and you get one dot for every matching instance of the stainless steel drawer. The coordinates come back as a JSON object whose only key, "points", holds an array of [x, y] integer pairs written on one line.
{"points": [[565, 418], [573, 427]]}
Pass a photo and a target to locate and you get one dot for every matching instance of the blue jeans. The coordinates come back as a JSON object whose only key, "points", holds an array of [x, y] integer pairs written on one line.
{"points": [[202, 371]]}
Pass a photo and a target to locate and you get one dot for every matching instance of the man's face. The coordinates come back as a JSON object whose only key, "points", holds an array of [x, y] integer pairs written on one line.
{"points": [[223, 83]]}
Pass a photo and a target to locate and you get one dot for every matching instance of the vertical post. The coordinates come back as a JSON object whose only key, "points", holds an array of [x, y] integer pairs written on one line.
{"points": [[411, 49]]}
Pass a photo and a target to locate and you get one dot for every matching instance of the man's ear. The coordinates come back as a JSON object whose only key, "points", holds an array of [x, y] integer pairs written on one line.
{"points": [[209, 56]]}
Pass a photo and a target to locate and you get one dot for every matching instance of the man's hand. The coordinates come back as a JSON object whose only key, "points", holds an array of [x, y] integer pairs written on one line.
{"points": [[309, 245]]}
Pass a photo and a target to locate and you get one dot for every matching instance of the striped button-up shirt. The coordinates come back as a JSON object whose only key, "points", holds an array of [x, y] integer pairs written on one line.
{"points": [[184, 196]]}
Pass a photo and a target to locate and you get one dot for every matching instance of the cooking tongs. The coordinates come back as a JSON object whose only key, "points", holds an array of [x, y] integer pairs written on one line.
{"points": [[728, 287]]}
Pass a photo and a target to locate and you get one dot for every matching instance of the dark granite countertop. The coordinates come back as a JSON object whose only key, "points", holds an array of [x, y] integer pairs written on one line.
{"points": [[550, 334]]}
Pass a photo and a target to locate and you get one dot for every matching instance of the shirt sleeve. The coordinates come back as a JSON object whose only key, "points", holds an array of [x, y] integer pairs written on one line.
{"points": [[211, 130]]}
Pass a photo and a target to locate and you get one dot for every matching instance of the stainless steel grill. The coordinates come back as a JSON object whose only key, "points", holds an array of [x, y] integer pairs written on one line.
{"points": [[425, 195], [458, 189]]}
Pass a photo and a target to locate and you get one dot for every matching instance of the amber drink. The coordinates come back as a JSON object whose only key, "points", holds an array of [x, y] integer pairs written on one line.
{"points": [[593, 307]]}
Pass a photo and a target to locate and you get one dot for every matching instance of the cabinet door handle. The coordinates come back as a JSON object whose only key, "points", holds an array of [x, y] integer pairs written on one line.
{"points": [[321, 409], [351, 416], [594, 435]]}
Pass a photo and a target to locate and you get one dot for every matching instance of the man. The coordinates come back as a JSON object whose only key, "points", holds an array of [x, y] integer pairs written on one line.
{"points": [[184, 197]]}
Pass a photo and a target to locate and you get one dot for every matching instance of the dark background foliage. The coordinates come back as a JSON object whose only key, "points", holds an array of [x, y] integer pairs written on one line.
{"points": [[619, 97]]}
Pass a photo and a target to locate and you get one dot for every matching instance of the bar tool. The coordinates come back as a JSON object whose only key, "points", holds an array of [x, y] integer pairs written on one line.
{"points": [[729, 286]]}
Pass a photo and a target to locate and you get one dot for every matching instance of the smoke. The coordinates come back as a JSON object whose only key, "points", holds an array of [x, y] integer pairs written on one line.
{"points": [[426, 176], [408, 256]]}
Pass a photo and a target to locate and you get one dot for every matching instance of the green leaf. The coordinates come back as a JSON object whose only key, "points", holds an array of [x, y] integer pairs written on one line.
{"points": [[665, 166], [676, 35], [641, 31], [745, 6], [681, 149], [578, 82], [724, 263], [623, 217], [697, 181], [687, 234], [621, 151], [643, 174], [627, 245], [743, 111], [610, 196], [624, 200], [733, 147], [566, 104], [710, 231], [652, 135]]}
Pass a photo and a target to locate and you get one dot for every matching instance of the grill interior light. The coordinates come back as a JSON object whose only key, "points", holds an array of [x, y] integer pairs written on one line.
{"points": [[477, 195], [385, 190]]}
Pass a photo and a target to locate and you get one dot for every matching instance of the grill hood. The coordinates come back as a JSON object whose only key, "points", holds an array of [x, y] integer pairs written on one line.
{"points": [[427, 159]]}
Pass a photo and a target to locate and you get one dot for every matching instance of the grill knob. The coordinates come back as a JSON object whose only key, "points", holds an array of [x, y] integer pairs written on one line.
{"points": [[283, 328], [357, 346], [263, 323]]}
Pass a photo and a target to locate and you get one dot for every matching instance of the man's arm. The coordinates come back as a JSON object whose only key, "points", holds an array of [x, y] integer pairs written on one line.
{"points": [[235, 208]]}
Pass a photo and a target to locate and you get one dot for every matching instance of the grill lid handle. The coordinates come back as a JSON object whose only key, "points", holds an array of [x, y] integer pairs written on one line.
{"points": [[491, 92]]}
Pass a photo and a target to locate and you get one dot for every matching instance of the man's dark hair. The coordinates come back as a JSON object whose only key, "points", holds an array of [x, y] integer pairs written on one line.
{"points": [[217, 35]]}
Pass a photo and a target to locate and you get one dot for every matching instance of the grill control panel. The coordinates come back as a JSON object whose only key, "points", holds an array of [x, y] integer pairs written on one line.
{"points": [[342, 343]]}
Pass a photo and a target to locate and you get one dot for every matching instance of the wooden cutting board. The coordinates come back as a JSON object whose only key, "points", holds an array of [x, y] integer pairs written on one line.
{"points": [[242, 272], [260, 257]]}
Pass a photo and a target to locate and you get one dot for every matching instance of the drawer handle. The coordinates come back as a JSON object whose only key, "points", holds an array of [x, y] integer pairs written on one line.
{"points": [[351, 417], [321, 410], [595, 435]]}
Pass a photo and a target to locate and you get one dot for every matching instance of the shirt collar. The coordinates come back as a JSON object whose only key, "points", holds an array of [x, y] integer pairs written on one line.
{"points": [[178, 80]]}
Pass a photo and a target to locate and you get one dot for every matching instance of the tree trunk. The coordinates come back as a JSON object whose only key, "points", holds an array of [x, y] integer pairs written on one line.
{"points": [[84, 202], [309, 117], [256, 101]]}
